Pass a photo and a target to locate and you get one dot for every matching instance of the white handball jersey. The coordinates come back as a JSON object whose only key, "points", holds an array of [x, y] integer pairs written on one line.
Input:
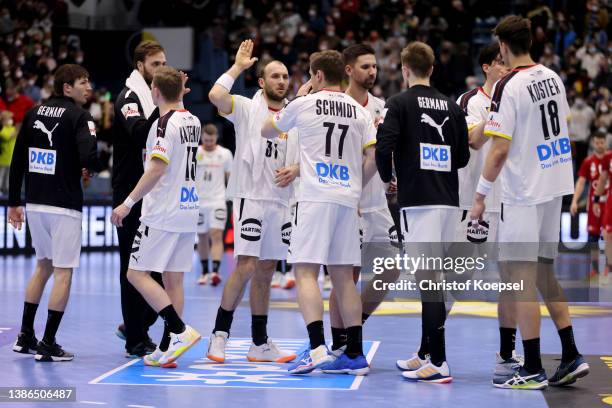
{"points": [[529, 107], [475, 104], [333, 130], [212, 167], [256, 159], [173, 203], [373, 196]]}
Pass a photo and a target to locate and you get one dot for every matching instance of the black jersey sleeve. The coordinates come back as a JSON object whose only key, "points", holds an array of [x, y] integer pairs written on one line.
{"points": [[18, 163], [386, 140]]}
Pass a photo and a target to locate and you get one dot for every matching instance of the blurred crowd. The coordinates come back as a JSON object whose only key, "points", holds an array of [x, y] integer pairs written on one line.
{"points": [[29, 54], [571, 37]]}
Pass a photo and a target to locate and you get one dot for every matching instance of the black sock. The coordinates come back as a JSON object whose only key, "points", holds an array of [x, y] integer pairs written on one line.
{"points": [[224, 320], [354, 342], [53, 321], [165, 341], [424, 349], [27, 320], [568, 345], [437, 346], [364, 317], [533, 361], [288, 267], [172, 319], [204, 263], [216, 265], [507, 339], [595, 265], [339, 337], [258, 329], [315, 334]]}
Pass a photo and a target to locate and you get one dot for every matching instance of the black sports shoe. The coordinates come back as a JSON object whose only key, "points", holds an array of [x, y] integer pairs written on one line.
{"points": [[26, 343], [138, 351], [568, 373], [52, 352], [150, 346]]}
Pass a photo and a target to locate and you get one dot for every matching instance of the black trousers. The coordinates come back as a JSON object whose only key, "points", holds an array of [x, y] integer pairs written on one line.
{"points": [[138, 316]]}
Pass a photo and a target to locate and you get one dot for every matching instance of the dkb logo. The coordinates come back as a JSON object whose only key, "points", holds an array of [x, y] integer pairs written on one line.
{"points": [[554, 149], [333, 171], [189, 195]]}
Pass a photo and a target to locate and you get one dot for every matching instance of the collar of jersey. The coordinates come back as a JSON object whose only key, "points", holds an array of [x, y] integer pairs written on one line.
{"points": [[481, 89], [523, 67]]}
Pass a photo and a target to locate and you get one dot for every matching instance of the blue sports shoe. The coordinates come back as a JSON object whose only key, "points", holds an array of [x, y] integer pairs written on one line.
{"points": [[568, 373], [310, 360], [345, 365]]}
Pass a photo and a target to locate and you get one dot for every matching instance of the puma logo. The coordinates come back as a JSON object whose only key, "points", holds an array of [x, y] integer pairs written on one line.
{"points": [[425, 118], [41, 126], [176, 342]]}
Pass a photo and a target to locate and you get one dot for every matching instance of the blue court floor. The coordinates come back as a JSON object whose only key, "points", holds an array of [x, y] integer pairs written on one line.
{"points": [[104, 377]]}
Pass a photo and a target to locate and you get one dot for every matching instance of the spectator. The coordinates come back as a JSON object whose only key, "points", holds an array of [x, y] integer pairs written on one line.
{"points": [[580, 127], [8, 135], [15, 102]]}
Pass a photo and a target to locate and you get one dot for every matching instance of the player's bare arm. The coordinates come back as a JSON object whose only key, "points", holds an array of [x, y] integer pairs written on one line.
{"points": [[601, 187], [578, 190], [149, 179], [476, 136], [220, 95], [495, 162], [369, 164]]}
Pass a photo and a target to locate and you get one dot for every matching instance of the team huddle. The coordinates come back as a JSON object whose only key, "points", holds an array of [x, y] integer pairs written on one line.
{"points": [[309, 182]]}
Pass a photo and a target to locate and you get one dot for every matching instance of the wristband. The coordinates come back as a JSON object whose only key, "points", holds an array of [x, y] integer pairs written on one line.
{"points": [[129, 203], [596, 198], [226, 81], [484, 186]]}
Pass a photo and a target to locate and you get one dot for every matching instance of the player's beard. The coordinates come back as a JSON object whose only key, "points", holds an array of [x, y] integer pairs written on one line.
{"points": [[148, 76], [367, 83], [275, 95]]}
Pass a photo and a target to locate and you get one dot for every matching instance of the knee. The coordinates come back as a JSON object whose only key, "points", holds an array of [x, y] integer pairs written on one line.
{"points": [[246, 267], [216, 236], [62, 276], [173, 280]]}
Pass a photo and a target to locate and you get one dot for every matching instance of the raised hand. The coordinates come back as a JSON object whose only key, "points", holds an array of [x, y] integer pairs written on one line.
{"points": [[244, 59]]}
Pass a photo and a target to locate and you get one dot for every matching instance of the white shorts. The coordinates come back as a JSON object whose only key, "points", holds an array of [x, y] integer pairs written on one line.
{"points": [[155, 250], [491, 217], [261, 229], [212, 217], [56, 237], [378, 226], [533, 230], [429, 224], [325, 234]]}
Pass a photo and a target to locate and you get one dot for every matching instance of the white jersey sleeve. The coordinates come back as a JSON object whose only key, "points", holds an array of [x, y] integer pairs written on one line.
{"points": [[285, 119], [227, 164], [240, 109], [162, 146], [501, 121]]}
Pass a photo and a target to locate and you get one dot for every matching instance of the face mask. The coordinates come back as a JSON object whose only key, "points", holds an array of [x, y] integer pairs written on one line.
{"points": [[312, 13], [31, 82], [62, 56], [17, 43], [603, 109], [18, 74], [38, 53]]}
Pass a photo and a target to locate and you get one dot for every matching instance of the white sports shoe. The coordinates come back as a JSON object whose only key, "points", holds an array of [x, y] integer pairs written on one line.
{"points": [[179, 344], [216, 346], [289, 280], [509, 366], [152, 360], [203, 279], [269, 352], [413, 363], [277, 280], [430, 373]]}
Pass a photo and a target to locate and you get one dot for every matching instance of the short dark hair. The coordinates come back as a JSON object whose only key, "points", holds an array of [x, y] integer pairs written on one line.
{"points": [[516, 32], [144, 50], [169, 82], [599, 135], [330, 63], [487, 55], [67, 74], [261, 69], [211, 129], [352, 52], [419, 57]]}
